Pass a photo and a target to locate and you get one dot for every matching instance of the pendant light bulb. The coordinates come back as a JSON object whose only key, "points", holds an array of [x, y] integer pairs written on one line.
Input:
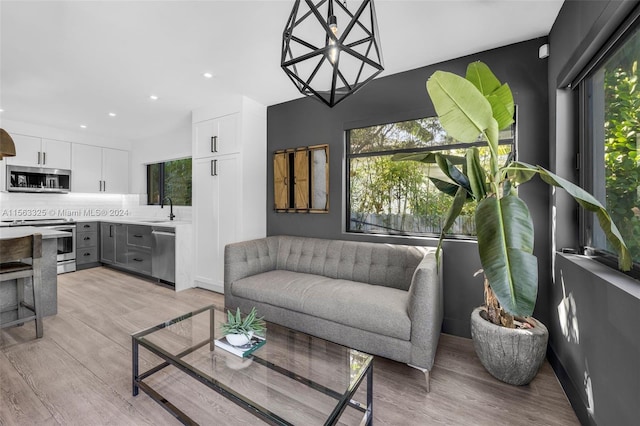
{"points": [[333, 50]]}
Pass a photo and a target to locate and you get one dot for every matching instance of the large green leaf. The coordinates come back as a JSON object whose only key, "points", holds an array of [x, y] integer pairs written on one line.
{"points": [[463, 111], [447, 187], [426, 157], [590, 203], [476, 174], [522, 172], [482, 77], [502, 106], [505, 244], [454, 211], [498, 95], [453, 173]]}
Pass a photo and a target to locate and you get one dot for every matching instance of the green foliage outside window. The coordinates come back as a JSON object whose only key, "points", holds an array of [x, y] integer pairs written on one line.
{"points": [[391, 197], [622, 141], [169, 179]]}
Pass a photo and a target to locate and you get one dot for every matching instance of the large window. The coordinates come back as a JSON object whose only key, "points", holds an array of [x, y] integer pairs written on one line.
{"points": [[612, 94], [387, 197], [169, 179]]}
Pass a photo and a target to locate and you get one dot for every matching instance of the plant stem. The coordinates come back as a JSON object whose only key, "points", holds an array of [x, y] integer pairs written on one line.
{"points": [[496, 314]]}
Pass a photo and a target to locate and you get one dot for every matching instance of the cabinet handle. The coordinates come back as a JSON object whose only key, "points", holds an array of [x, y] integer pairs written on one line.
{"points": [[87, 254], [137, 236], [87, 238], [286, 181], [137, 259], [38, 157], [214, 167], [104, 185], [111, 231], [100, 182], [44, 158], [214, 144], [87, 226]]}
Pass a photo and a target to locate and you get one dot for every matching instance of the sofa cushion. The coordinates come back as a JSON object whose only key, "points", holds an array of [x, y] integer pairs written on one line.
{"points": [[377, 309], [373, 263]]}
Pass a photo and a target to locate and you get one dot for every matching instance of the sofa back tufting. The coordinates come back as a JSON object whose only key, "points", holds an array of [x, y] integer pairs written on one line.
{"points": [[372, 263]]}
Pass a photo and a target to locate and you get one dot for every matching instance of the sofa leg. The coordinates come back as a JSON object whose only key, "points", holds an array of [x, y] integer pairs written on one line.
{"points": [[426, 376]]}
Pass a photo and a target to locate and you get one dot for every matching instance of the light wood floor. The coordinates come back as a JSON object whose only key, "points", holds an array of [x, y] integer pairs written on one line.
{"points": [[80, 372]]}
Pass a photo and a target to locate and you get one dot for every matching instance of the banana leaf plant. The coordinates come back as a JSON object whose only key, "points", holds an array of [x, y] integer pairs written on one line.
{"points": [[479, 106]]}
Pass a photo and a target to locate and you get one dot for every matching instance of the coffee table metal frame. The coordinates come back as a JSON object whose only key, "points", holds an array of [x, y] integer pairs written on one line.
{"points": [[175, 360]]}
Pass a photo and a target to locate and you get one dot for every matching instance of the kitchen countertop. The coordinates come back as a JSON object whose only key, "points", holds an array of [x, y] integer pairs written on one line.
{"points": [[23, 231], [150, 221]]}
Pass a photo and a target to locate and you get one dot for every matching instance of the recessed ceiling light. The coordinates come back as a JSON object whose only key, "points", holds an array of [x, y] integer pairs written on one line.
{"points": [[153, 97], [84, 126], [1, 110], [112, 114], [207, 75]]}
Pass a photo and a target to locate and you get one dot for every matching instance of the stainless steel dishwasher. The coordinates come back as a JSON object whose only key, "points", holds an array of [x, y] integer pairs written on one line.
{"points": [[163, 254]]}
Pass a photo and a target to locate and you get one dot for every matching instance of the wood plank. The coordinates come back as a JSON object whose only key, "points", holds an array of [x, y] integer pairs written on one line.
{"points": [[72, 393], [80, 371], [19, 405]]}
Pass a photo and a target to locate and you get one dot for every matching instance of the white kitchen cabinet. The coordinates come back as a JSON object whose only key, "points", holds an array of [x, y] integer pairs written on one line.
{"points": [[217, 136], [229, 189], [101, 170], [216, 186], [32, 151], [115, 171]]}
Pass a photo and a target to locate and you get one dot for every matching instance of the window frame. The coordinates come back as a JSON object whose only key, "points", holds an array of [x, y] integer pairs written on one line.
{"points": [[446, 147], [585, 119], [161, 177]]}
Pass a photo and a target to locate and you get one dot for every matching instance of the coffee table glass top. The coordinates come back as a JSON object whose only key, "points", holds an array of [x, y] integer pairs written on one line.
{"points": [[293, 379]]}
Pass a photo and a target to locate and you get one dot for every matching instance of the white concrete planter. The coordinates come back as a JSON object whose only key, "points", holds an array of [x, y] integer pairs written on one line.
{"points": [[238, 339], [511, 355]]}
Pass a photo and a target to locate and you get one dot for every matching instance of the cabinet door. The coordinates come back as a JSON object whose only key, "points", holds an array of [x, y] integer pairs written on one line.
{"points": [[56, 154], [28, 151], [115, 171], [107, 243], [281, 180], [227, 141], [86, 168], [122, 250], [216, 187], [301, 179], [217, 136]]}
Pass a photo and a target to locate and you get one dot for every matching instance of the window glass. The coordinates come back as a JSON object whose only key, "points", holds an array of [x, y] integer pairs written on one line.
{"points": [[169, 179], [389, 197], [614, 139]]}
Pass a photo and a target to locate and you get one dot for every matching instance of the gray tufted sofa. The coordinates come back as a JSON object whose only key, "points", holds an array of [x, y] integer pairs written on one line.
{"points": [[381, 299]]}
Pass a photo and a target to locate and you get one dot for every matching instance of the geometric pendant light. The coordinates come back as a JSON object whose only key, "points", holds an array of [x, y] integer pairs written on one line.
{"points": [[330, 52], [7, 147]]}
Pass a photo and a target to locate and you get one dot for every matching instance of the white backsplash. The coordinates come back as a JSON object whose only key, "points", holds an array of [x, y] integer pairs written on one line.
{"points": [[82, 207]]}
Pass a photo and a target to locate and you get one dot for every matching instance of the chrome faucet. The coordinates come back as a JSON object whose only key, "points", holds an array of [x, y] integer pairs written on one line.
{"points": [[171, 215]]}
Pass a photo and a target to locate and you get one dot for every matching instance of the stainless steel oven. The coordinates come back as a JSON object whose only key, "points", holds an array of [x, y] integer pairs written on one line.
{"points": [[66, 247], [66, 243]]}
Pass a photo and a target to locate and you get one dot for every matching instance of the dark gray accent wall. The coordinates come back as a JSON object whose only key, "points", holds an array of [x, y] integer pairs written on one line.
{"points": [[594, 345], [400, 97]]}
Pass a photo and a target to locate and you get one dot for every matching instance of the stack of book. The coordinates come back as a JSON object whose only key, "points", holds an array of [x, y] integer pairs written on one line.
{"points": [[244, 350]]}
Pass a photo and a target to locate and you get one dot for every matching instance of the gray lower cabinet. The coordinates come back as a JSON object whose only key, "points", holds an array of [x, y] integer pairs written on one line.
{"points": [[87, 245], [126, 246], [112, 236]]}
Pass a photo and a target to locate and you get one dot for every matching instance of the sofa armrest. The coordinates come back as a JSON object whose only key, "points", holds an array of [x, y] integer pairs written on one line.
{"points": [[425, 309], [248, 258]]}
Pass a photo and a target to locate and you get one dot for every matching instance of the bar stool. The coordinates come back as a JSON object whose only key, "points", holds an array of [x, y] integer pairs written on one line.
{"points": [[13, 253]]}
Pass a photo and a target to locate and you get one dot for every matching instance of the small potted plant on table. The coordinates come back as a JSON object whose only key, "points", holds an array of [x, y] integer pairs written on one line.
{"points": [[238, 330]]}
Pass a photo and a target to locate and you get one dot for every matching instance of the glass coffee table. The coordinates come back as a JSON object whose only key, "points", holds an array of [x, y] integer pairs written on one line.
{"points": [[293, 379]]}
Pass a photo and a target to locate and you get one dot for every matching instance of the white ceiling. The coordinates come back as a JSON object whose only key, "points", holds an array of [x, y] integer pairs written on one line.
{"points": [[63, 64]]}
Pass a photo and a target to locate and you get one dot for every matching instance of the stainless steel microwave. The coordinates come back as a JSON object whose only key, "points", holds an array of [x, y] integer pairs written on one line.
{"points": [[38, 179]]}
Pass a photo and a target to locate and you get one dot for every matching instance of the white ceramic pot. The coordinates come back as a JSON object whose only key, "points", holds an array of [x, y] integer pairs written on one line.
{"points": [[238, 339]]}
